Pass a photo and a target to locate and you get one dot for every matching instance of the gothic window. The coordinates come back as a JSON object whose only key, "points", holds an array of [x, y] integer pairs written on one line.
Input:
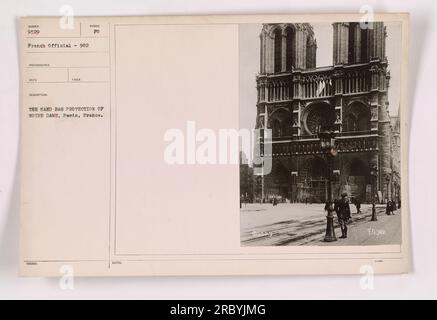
{"points": [[315, 123], [276, 128], [358, 118], [318, 168], [364, 45], [351, 123], [281, 123], [359, 169], [318, 116], [363, 122], [278, 50], [352, 44], [289, 48]]}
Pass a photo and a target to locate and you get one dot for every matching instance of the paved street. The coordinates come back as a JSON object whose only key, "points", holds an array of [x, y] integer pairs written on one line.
{"points": [[300, 224]]}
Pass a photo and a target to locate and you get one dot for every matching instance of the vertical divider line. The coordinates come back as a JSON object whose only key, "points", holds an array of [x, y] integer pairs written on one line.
{"points": [[110, 145], [115, 139]]}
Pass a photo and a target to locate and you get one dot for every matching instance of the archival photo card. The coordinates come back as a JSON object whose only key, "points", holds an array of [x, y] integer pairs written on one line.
{"points": [[214, 145]]}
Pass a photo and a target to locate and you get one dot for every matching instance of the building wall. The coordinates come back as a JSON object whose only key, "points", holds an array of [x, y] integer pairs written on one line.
{"points": [[350, 95]]}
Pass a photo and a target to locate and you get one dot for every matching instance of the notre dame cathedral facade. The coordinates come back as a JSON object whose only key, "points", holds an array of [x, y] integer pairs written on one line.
{"points": [[296, 98]]}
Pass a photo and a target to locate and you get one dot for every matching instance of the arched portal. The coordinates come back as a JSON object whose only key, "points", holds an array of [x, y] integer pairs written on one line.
{"points": [[358, 179], [317, 167], [281, 179], [312, 182]]}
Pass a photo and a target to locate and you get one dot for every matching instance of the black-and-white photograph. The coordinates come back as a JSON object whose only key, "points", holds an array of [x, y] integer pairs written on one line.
{"points": [[324, 101]]}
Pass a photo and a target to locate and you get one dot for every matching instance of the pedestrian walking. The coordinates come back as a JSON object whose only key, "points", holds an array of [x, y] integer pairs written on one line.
{"points": [[358, 205], [388, 208], [343, 214]]}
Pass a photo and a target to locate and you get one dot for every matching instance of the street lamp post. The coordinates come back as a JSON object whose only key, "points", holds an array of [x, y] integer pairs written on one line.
{"points": [[373, 174], [327, 142]]}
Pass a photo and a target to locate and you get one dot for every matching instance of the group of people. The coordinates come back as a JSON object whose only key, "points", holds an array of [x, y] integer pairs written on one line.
{"points": [[390, 207], [342, 209]]}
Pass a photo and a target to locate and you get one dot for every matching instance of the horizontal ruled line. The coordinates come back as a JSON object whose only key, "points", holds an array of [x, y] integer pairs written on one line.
{"points": [[36, 82], [84, 67], [67, 52], [75, 37]]}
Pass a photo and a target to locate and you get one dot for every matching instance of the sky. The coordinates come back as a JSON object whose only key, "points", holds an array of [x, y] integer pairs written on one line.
{"points": [[249, 64]]}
